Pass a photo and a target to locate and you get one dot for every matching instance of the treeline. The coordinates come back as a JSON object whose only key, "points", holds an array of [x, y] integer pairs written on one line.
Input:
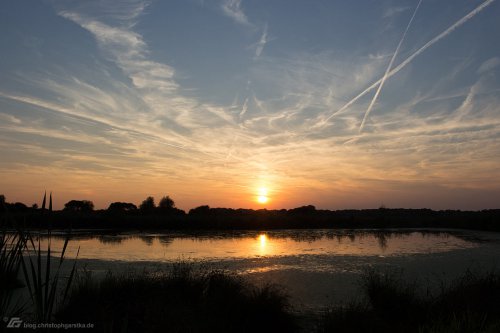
{"points": [[149, 215], [147, 206]]}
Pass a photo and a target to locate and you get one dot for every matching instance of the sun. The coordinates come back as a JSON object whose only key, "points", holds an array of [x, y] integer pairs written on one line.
{"points": [[262, 199], [262, 196]]}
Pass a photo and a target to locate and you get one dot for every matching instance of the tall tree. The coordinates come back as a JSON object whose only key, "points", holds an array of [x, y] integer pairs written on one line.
{"points": [[148, 205], [166, 203]]}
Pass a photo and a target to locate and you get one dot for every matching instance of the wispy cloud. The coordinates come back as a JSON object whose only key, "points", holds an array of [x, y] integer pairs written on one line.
{"points": [[167, 109], [489, 65], [124, 14], [74, 113], [392, 11], [7, 118], [232, 8]]}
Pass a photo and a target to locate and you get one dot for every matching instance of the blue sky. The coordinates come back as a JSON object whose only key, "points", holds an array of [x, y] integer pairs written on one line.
{"points": [[340, 104]]}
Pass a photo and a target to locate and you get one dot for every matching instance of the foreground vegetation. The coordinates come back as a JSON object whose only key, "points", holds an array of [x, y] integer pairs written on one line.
{"points": [[180, 300], [469, 304], [213, 301]]}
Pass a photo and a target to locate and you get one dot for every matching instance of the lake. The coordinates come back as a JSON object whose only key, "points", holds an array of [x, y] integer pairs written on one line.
{"points": [[315, 267]]}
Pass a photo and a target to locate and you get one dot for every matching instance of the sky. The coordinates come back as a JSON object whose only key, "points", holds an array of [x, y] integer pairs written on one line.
{"points": [[338, 104]]}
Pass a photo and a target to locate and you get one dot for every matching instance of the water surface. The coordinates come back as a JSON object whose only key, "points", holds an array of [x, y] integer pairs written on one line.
{"points": [[316, 267], [238, 245]]}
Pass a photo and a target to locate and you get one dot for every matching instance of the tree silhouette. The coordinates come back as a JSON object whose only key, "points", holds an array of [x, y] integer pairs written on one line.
{"points": [[2, 202], [122, 207], [200, 210], [79, 206], [309, 209], [166, 203], [148, 205]]}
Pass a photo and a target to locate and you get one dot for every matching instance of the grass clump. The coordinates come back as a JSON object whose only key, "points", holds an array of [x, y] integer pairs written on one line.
{"points": [[471, 303], [43, 277], [11, 246], [26, 267], [180, 300]]}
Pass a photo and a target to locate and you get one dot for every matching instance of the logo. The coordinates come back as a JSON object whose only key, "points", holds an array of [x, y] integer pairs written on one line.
{"points": [[15, 322]]}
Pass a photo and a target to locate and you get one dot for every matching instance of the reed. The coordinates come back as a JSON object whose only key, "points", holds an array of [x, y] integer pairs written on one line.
{"points": [[42, 276], [11, 246]]}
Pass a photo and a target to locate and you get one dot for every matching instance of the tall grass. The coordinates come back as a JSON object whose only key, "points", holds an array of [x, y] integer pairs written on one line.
{"points": [[24, 264], [179, 300], [11, 246], [42, 280], [470, 303]]}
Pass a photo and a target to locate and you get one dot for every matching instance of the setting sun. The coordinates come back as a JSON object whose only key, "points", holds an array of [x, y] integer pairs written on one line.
{"points": [[262, 196], [262, 199]]}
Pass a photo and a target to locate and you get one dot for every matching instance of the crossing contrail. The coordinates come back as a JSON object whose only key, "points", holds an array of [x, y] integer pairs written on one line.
{"points": [[414, 55], [374, 99]]}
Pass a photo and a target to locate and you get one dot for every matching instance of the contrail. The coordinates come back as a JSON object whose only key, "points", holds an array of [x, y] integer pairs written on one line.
{"points": [[414, 55], [374, 99]]}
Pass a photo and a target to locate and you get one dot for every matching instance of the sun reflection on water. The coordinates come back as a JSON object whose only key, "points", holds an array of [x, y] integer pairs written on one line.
{"points": [[263, 244]]}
